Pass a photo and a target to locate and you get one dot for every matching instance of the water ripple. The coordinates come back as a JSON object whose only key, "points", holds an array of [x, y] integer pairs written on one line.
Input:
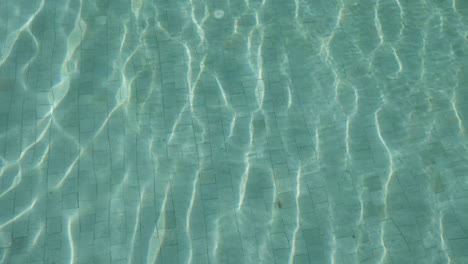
{"points": [[164, 132]]}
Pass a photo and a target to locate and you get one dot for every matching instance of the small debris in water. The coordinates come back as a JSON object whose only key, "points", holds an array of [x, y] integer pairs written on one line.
{"points": [[218, 13]]}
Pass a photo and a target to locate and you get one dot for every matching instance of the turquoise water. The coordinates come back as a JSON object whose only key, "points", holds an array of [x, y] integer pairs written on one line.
{"points": [[237, 131]]}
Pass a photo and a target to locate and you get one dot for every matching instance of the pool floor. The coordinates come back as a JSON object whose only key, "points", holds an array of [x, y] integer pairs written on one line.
{"points": [[233, 132]]}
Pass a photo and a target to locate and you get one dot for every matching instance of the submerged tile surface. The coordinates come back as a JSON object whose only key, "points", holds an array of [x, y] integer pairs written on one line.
{"points": [[281, 132]]}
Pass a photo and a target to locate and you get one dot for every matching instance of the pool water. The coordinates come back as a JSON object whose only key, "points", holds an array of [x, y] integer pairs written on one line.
{"points": [[271, 131]]}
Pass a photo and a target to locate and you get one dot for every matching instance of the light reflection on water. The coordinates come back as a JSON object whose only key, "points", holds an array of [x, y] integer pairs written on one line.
{"points": [[167, 132]]}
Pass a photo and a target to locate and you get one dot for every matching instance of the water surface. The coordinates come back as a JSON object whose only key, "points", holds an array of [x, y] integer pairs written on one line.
{"points": [[282, 132]]}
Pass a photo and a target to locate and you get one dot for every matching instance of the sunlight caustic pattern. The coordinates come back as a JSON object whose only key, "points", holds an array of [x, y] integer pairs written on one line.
{"points": [[233, 131]]}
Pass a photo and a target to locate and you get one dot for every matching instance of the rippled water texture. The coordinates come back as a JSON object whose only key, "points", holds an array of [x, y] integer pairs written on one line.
{"points": [[137, 131]]}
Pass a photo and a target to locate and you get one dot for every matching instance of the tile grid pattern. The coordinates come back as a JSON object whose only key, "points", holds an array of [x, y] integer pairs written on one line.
{"points": [[109, 175]]}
